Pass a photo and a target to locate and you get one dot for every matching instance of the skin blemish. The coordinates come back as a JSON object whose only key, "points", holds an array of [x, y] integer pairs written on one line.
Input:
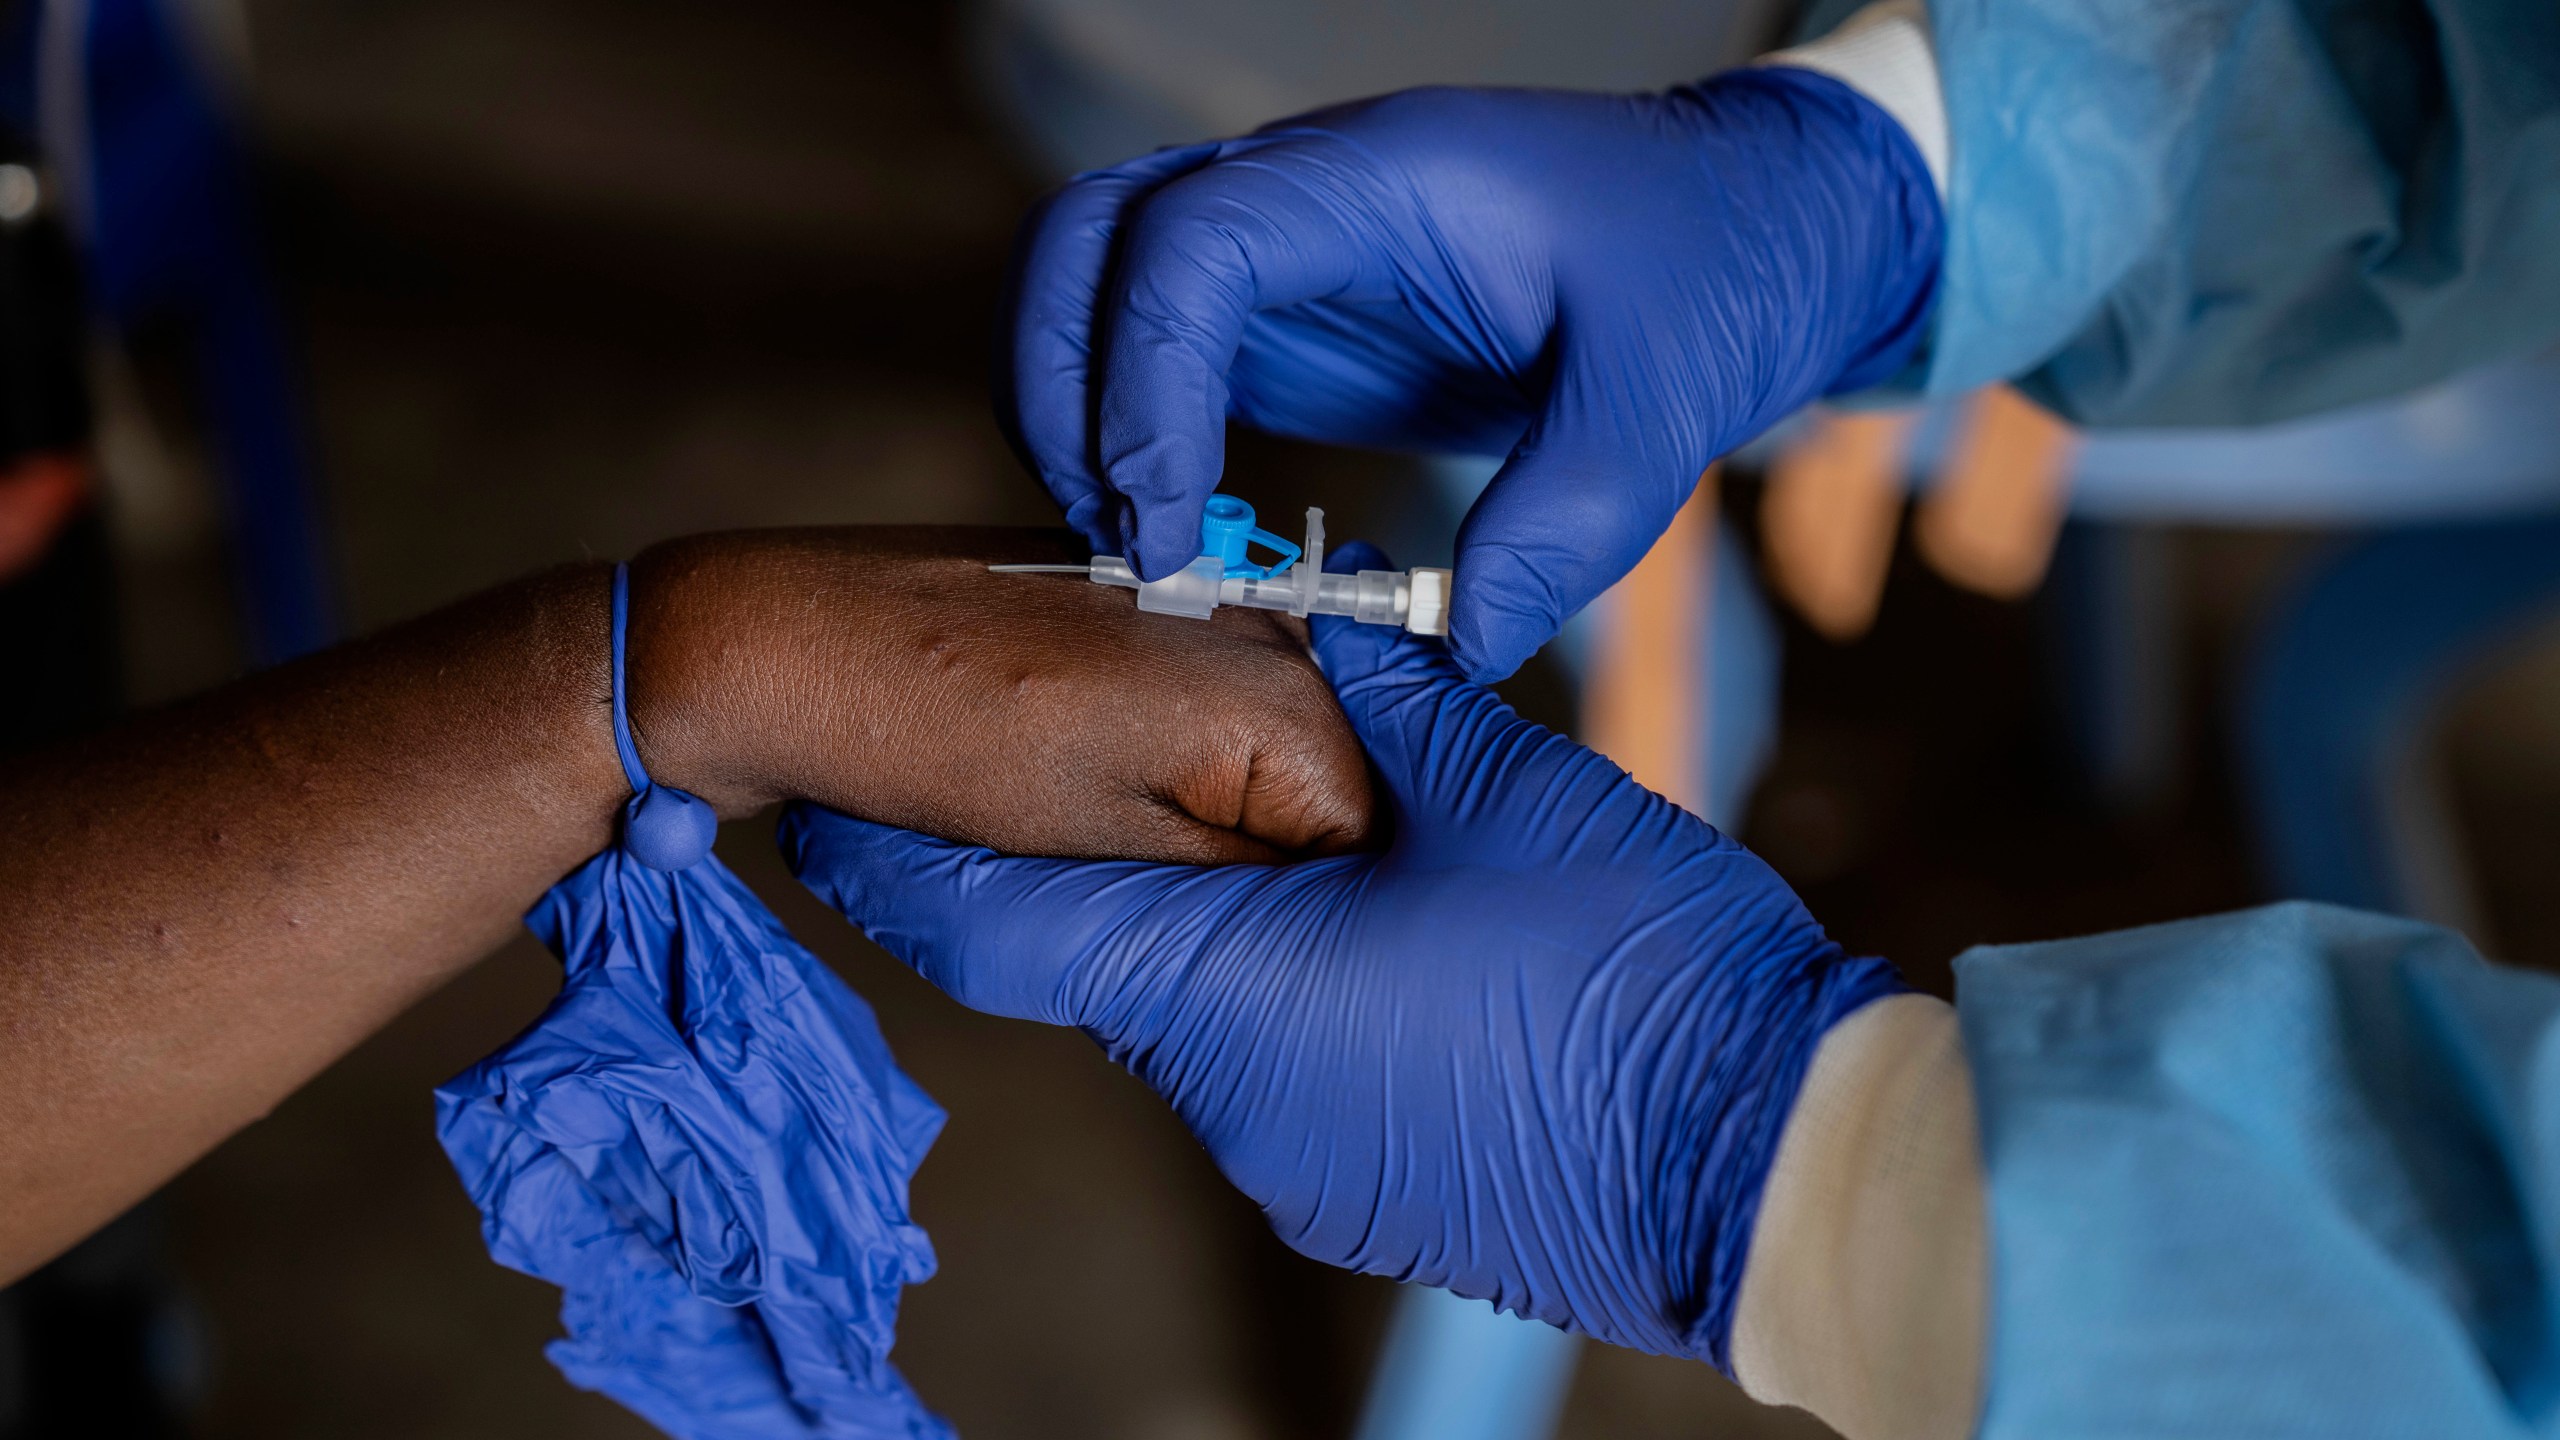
{"points": [[943, 652]]}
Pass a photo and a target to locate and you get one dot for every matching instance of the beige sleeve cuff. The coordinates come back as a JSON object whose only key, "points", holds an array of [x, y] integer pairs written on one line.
{"points": [[1885, 53], [1863, 1299]]}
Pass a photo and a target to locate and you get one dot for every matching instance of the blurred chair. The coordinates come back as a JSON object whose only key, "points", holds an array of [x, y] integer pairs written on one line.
{"points": [[2436, 500], [2349, 668], [2447, 509], [2446, 506], [100, 1341], [127, 101], [1455, 1369]]}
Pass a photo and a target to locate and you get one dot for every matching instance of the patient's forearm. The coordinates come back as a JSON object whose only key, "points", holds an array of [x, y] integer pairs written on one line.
{"points": [[207, 907], [201, 910]]}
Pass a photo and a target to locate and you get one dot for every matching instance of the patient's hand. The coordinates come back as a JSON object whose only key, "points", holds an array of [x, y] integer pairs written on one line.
{"points": [[202, 908], [886, 673]]}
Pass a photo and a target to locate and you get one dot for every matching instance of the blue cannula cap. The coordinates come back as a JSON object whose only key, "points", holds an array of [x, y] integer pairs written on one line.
{"points": [[1227, 529]]}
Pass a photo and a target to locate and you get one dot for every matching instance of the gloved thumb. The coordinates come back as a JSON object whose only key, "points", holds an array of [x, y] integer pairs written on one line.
{"points": [[1347, 650], [1567, 517], [1448, 751], [997, 933]]}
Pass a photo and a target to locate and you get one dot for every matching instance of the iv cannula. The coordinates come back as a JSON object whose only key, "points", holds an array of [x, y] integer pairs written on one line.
{"points": [[1416, 599]]}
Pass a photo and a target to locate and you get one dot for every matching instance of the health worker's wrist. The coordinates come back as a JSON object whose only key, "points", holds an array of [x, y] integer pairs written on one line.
{"points": [[1866, 222], [1742, 1087], [1864, 1297], [1886, 53]]}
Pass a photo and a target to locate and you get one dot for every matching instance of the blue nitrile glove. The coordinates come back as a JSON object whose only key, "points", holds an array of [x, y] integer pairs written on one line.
{"points": [[1539, 1051], [1613, 290], [705, 1144]]}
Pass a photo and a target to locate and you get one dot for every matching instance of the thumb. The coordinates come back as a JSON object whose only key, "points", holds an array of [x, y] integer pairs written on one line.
{"points": [[1571, 512], [1201, 257], [1349, 652], [1000, 934], [1448, 751]]}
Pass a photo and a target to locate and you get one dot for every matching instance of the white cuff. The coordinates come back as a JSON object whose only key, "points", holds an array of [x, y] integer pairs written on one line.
{"points": [[1863, 1297], [1884, 53]]}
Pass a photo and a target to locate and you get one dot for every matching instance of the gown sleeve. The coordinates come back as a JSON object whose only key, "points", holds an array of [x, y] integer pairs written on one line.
{"points": [[2218, 212], [2293, 1171]]}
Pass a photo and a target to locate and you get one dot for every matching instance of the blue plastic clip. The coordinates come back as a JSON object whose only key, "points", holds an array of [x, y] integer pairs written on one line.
{"points": [[1226, 529]]}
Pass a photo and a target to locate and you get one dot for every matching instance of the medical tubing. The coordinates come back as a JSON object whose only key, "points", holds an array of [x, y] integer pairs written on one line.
{"points": [[663, 827]]}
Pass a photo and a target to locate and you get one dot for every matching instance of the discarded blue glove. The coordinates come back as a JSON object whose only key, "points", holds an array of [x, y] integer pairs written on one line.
{"points": [[1538, 1052], [705, 1144], [1614, 290]]}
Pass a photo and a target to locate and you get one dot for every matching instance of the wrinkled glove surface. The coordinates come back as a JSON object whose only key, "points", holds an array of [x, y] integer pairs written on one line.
{"points": [[1612, 290], [1538, 1051], [705, 1144]]}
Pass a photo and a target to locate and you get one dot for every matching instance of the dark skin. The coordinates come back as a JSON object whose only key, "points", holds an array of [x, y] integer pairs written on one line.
{"points": [[208, 906]]}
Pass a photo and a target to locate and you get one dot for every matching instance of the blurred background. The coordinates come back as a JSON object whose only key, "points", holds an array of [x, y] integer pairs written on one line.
{"points": [[319, 314]]}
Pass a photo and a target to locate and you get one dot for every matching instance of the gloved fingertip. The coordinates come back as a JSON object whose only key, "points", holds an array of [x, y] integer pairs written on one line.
{"points": [[1487, 653], [795, 835], [1353, 556], [1090, 517], [1497, 614], [846, 861], [1480, 665], [1153, 545], [1353, 654], [1122, 518], [1347, 650]]}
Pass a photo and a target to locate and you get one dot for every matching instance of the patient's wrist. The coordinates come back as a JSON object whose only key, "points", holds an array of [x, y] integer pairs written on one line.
{"points": [[725, 632]]}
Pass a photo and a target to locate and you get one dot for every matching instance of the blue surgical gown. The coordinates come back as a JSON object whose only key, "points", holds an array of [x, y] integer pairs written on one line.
{"points": [[2212, 212], [2288, 1172]]}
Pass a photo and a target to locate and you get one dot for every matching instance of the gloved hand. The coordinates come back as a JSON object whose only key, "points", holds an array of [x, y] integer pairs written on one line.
{"points": [[1538, 1051], [1613, 290]]}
